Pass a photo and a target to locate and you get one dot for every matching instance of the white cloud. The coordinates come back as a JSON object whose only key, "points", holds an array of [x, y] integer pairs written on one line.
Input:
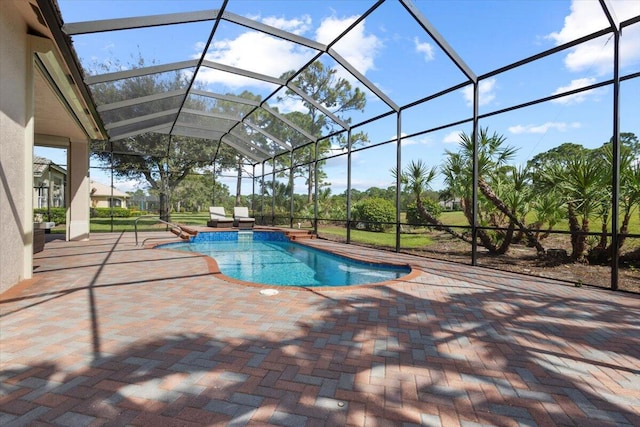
{"points": [[578, 97], [358, 48], [130, 185], [486, 92], [585, 18], [297, 26], [289, 104], [452, 137], [256, 52], [253, 51], [422, 139], [596, 55], [424, 48], [543, 128], [259, 52]]}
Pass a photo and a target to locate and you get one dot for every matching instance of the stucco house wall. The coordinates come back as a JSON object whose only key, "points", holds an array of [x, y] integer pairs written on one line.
{"points": [[42, 100], [16, 148]]}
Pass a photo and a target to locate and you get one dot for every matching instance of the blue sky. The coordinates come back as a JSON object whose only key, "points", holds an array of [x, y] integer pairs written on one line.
{"points": [[394, 53]]}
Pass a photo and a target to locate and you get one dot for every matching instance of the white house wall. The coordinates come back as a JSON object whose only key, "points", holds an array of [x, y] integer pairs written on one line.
{"points": [[16, 148], [29, 106]]}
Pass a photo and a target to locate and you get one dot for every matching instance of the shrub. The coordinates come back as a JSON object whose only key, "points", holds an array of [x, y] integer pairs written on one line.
{"points": [[107, 212], [413, 216], [57, 215], [373, 212]]}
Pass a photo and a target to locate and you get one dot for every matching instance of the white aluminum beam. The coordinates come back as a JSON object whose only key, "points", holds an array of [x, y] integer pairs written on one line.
{"points": [[317, 105], [140, 100], [306, 134], [249, 143], [139, 119], [138, 72], [268, 135], [212, 115], [243, 72], [195, 132], [229, 98], [99, 26], [365, 81], [126, 135], [258, 26], [249, 154]]}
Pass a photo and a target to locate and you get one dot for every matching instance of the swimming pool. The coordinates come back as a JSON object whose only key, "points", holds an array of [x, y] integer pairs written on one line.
{"points": [[269, 258]]}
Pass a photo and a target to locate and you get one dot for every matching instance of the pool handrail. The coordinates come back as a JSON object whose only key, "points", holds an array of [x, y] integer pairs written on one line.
{"points": [[158, 219]]}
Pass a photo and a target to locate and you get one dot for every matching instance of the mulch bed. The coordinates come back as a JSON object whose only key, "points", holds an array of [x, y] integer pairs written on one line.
{"points": [[524, 260]]}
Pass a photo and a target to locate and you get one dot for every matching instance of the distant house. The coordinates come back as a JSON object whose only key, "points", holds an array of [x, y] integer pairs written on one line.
{"points": [[103, 196], [144, 202], [454, 204], [49, 183]]}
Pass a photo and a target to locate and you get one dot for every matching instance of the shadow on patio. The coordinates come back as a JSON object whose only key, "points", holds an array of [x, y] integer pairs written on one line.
{"points": [[132, 344]]}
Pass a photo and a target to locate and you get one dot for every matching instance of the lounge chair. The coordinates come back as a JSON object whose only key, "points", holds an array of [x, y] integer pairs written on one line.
{"points": [[218, 218], [241, 218]]}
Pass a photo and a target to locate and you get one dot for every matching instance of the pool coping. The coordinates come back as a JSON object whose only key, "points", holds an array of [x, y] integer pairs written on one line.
{"points": [[214, 269]]}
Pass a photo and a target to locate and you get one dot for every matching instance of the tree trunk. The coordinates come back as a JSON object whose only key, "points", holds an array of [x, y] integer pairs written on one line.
{"points": [[310, 184], [507, 240], [466, 208], [485, 239], [436, 223], [164, 208], [577, 239], [604, 253], [602, 244], [498, 203], [239, 182], [583, 236], [624, 228]]}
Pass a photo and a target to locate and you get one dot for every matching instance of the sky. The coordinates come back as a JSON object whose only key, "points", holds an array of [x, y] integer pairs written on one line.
{"points": [[393, 52]]}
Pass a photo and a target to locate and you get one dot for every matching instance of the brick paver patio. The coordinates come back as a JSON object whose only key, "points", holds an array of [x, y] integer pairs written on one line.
{"points": [[113, 334]]}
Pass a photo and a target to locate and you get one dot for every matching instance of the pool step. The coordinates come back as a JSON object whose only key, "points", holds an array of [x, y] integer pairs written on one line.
{"points": [[299, 234], [245, 235]]}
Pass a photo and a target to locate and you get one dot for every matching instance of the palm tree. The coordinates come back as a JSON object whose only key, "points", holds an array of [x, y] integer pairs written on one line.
{"points": [[582, 184], [629, 198], [549, 209], [492, 156], [417, 179]]}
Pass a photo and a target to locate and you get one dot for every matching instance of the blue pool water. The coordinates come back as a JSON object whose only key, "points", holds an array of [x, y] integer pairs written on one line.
{"points": [[271, 259]]}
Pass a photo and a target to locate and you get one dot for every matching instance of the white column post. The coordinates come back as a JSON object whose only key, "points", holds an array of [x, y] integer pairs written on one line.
{"points": [[78, 191]]}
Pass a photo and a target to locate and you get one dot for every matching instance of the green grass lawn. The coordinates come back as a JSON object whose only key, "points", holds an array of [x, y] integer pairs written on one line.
{"points": [[456, 218], [385, 239], [99, 225]]}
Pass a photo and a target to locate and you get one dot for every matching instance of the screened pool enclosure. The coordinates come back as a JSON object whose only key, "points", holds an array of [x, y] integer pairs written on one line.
{"points": [[490, 133]]}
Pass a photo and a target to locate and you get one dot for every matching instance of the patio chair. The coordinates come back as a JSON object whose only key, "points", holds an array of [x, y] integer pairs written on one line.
{"points": [[218, 218], [241, 218]]}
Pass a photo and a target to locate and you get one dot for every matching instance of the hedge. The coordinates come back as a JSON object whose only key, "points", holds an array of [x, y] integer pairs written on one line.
{"points": [[108, 212], [373, 212], [57, 215]]}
